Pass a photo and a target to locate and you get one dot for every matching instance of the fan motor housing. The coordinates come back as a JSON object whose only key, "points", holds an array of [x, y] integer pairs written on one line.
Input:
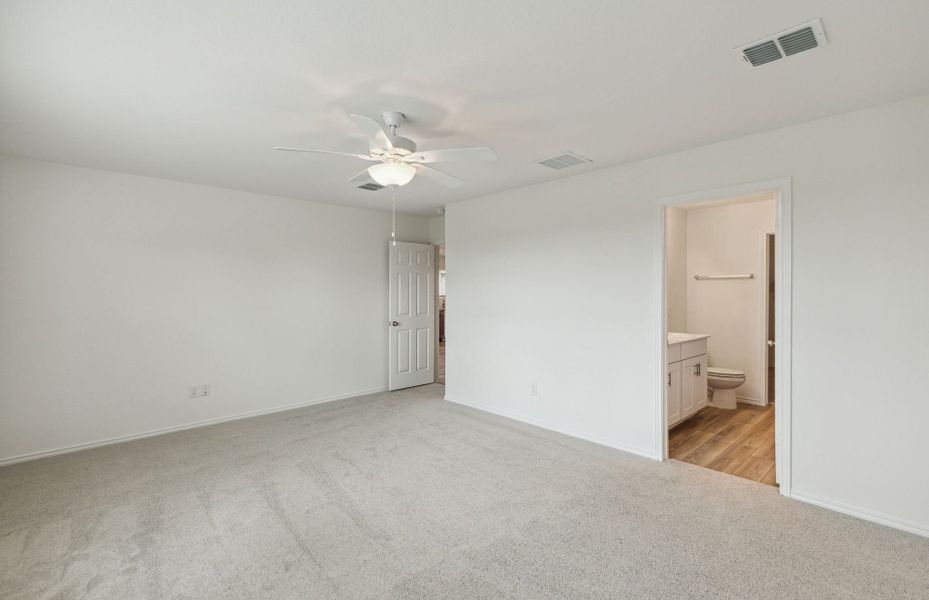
{"points": [[402, 146]]}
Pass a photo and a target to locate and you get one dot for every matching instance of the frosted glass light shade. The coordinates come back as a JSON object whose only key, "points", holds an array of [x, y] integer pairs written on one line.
{"points": [[392, 173]]}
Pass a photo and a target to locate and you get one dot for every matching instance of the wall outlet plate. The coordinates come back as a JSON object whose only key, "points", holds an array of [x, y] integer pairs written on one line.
{"points": [[199, 391]]}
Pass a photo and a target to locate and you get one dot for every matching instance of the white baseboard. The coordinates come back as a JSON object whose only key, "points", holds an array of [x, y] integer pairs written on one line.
{"points": [[522, 419], [151, 433], [862, 513], [755, 401]]}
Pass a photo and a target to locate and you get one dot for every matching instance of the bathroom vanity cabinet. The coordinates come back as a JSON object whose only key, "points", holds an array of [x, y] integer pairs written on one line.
{"points": [[687, 377]]}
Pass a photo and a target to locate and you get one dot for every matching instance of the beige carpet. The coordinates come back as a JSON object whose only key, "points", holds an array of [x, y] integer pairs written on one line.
{"points": [[406, 496]]}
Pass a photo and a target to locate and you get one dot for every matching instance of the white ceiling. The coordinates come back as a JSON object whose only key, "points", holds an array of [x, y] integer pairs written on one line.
{"points": [[200, 91]]}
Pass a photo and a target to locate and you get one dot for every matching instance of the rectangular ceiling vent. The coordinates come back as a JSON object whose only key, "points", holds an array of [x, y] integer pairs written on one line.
{"points": [[563, 161], [371, 186], [786, 43]]}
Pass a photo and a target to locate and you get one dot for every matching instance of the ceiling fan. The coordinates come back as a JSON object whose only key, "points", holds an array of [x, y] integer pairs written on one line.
{"points": [[396, 157]]}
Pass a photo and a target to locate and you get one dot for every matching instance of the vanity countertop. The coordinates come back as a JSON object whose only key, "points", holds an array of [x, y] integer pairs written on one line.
{"points": [[680, 338]]}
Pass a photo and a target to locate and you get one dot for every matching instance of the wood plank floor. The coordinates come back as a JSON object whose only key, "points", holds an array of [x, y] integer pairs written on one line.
{"points": [[739, 442]]}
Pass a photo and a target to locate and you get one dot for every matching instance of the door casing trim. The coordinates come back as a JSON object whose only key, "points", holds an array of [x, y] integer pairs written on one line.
{"points": [[782, 187]]}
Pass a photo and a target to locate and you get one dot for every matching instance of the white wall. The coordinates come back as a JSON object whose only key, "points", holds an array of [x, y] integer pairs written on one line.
{"points": [[585, 249], [437, 230], [117, 292], [676, 272], [725, 240]]}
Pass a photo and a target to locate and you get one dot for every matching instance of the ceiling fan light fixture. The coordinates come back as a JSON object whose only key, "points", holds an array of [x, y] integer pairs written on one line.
{"points": [[396, 160], [392, 173]]}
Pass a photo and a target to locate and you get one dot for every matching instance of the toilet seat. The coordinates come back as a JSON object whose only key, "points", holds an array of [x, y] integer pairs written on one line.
{"points": [[723, 373]]}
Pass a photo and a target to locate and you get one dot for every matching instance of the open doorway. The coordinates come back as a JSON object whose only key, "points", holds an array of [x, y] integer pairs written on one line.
{"points": [[722, 308], [440, 347]]}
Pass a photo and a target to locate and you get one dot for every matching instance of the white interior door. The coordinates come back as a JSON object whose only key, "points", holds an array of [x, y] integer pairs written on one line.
{"points": [[411, 315]]}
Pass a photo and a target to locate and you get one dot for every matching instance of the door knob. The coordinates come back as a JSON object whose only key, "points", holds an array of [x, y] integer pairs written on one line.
{"points": [[393, 323], [770, 343]]}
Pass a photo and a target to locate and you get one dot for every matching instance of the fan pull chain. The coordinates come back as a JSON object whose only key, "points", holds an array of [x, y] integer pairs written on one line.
{"points": [[393, 215]]}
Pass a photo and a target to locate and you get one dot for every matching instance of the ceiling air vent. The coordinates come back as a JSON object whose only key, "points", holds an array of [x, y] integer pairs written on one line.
{"points": [[563, 161], [798, 41], [762, 53], [371, 186], [786, 43]]}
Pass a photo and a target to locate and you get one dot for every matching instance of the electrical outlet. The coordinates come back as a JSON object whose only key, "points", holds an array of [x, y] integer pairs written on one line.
{"points": [[533, 389], [199, 391]]}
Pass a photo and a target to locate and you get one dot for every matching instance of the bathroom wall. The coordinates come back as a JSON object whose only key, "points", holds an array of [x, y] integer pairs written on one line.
{"points": [[726, 240], [676, 269]]}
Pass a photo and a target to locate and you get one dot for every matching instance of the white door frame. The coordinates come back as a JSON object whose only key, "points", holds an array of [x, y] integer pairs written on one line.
{"points": [[782, 313]]}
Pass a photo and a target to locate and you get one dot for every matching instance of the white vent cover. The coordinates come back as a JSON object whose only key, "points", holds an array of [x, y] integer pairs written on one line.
{"points": [[563, 161], [786, 43]]}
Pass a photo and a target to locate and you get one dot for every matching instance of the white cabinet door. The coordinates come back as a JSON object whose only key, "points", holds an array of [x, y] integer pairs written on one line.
{"points": [[412, 315], [700, 381], [674, 393], [688, 399], [693, 385]]}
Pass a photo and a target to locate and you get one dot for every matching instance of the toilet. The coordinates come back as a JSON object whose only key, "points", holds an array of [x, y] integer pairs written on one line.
{"points": [[723, 382]]}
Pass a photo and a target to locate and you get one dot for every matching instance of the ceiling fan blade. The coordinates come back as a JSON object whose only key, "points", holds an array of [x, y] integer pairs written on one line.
{"points": [[363, 176], [374, 130], [348, 154], [452, 154], [438, 176]]}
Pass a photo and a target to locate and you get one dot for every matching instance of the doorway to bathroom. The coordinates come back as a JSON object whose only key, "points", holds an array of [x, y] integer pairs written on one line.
{"points": [[725, 331]]}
